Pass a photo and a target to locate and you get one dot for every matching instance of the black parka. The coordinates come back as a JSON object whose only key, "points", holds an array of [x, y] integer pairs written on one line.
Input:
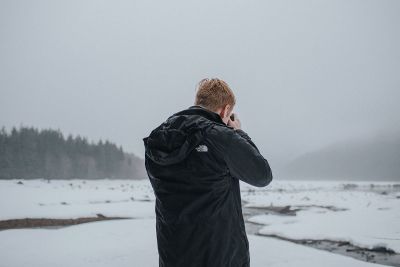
{"points": [[194, 162]]}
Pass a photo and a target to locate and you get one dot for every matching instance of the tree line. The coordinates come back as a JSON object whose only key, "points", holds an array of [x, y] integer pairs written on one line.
{"points": [[30, 153]]}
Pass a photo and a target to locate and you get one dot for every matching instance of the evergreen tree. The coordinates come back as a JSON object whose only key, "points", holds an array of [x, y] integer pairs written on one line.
{"points": [[27, 153]]}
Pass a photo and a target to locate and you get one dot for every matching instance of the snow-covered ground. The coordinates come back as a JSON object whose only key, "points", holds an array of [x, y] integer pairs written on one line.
{"points": [[365, 214], [372, 217]]}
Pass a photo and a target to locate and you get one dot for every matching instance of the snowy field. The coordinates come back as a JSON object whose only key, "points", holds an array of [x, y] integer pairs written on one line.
{"points": [[364, 214]]}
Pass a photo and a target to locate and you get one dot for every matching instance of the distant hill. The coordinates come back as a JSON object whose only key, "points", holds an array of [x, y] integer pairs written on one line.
{"points": [[375, 158], [27, 153]]}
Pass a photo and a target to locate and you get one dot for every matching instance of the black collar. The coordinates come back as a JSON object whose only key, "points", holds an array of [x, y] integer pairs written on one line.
{"points": [[199, 110]]}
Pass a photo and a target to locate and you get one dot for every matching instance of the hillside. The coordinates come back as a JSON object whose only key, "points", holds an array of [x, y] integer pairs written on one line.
{"points": [[376, 158], [27, 153]]}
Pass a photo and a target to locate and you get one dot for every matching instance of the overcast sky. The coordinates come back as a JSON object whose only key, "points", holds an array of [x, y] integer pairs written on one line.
{"points": [[305, 73]]}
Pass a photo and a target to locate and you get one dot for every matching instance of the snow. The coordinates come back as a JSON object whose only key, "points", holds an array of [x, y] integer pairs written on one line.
{"points": [[370, 215], [106, 243], [132, 242], [39, 199]]}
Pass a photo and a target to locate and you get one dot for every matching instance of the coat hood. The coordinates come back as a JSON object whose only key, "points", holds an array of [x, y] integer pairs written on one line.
{"points": [[175, 138]]}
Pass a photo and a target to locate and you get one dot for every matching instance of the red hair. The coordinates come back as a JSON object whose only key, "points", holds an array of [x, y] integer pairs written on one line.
{"points": [[214, 94]]}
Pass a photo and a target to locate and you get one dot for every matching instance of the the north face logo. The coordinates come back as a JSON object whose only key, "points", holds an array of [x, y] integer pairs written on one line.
{"points": [[202, 148]]}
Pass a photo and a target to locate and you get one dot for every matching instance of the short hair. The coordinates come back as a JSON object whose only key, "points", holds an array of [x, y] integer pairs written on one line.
{"points": [[214, 94]]}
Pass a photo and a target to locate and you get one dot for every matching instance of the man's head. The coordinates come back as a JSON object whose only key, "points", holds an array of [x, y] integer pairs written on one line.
{"points": [[215, 95]]}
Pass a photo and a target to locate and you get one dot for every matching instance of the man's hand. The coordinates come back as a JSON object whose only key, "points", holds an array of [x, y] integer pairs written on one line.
{"points": [[234, 123]]}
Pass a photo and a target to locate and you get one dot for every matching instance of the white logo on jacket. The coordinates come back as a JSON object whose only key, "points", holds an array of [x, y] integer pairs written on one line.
{"points": [[202, 148]]}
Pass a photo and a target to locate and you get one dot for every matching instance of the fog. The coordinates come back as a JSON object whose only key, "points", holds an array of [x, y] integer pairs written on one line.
{"points": [[306, 74]]}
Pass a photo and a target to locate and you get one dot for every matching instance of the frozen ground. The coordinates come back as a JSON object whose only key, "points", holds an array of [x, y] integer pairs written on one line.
{"points": [[364, 214], [132, 242]]}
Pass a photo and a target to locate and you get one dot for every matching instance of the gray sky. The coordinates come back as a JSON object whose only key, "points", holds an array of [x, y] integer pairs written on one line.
{"points": [[305, 73]]}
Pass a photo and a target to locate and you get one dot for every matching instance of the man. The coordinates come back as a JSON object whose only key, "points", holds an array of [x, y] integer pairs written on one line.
{"points": [[194, 161]]}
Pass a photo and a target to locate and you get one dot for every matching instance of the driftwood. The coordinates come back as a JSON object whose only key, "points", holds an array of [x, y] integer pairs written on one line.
{"points": [[48, 222]]}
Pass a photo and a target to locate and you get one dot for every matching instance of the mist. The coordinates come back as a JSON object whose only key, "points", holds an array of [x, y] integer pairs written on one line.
{"points": [[306, 74]]}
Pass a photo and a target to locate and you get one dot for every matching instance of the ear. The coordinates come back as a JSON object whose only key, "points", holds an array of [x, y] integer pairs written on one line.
{"points": [[221, 112], [226, 110]]}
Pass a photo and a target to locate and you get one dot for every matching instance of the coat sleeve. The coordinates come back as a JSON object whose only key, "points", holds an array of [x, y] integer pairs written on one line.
{"points": [[245, 161], [243, 158]]}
